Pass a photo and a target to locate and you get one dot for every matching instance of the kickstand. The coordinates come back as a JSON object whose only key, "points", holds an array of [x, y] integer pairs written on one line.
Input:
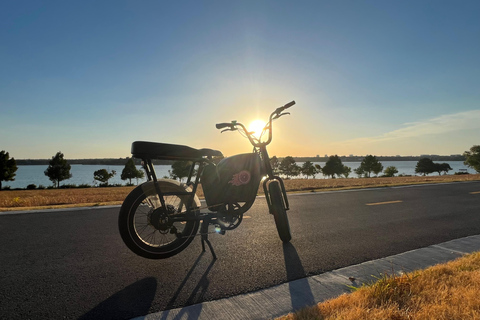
{"points": [[204, 233]]}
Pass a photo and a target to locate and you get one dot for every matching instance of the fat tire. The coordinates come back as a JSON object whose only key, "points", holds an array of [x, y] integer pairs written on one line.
{"points": [[277, 208], [126, 225]]}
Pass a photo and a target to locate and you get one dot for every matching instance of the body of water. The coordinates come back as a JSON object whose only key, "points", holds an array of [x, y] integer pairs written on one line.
{"points": [[83, 174]]}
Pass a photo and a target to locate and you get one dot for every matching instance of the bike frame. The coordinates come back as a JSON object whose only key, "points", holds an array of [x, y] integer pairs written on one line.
{"points": [[151, 176], [259, 147]]}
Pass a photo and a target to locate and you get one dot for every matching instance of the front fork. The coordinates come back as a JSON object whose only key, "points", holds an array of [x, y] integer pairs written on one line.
{"points": [[274, 179], [271, 178]]}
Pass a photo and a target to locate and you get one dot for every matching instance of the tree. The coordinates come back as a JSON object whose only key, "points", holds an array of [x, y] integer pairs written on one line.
{"points": [[308, 169], [390, 171], [180, 169], [425, 166], [103, 175], [346, 171], [359, 171], [472, 158], [318, 169], [8, 167], [289, 167], [274, 164], [58, 169], [131, 172], [442, 167], [369, 164], [333, 166]]}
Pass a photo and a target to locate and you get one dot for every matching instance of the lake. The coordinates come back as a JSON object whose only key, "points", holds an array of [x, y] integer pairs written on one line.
{"points": [[83, 174]]}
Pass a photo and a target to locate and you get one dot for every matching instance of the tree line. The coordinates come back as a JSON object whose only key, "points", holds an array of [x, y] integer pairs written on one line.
{"points": [[370, 165], [59, 169]]}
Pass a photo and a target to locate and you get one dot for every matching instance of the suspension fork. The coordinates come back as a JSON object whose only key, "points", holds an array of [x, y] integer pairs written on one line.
{"points": [[270, 177]]}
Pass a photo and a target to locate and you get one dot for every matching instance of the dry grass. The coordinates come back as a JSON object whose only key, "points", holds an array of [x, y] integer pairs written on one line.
{"points": [[25, 199], [446, 291], [60, 198], [336, 184]]}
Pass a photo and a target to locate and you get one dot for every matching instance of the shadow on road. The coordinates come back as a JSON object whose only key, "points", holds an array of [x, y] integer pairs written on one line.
{"points": [[300, 292], [134, 300], [196, 295]]}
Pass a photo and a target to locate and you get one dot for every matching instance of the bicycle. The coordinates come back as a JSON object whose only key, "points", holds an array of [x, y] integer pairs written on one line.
{"points": [[161, 217]]}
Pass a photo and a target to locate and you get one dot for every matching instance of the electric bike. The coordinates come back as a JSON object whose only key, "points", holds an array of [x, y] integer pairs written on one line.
{"points": [[161, 217]]}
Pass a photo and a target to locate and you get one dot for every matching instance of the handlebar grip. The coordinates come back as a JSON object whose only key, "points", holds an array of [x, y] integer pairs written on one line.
{"points": [[280, 109], [223, 125], [288, 105]]}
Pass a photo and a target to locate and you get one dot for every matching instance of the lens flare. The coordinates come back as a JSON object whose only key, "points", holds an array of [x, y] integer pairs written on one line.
{"points": [[256, 126]]}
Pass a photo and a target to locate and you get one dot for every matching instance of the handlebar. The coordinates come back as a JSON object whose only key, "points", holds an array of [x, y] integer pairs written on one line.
{"points": [[275, 115], [223, 125], [288, 105]]}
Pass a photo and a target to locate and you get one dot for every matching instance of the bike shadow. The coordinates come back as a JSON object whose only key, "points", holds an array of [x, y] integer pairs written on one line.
{"points": [[196, 296], [300, 292], [135, 300]]}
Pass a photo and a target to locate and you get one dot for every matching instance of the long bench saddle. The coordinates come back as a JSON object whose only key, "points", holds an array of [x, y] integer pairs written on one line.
{"points": [[166, 151]]}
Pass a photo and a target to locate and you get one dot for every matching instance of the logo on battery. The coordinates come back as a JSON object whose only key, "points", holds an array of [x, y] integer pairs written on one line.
{"points": [[241, 178]]}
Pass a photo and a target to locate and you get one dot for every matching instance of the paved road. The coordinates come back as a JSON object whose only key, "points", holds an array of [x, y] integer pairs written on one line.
{"points": [[73, 264]]}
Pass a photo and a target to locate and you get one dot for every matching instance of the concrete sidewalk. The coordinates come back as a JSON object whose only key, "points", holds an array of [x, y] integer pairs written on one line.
{"points": [[288, 297]]}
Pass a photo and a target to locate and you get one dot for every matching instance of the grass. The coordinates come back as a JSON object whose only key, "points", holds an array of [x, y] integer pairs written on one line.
{"points": [[353, 183], [445, 291], [74, 197], [61, 198]]}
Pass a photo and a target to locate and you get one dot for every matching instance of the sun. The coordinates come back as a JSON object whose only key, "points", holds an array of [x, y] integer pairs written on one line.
{"points": [[256, 126]]}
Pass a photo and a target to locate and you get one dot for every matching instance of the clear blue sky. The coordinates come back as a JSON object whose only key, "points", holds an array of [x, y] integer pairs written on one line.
{"points": [[370, 77]]}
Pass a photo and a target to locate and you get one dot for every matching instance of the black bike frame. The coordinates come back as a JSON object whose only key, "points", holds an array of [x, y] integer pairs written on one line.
{"points": [[259, 147], [151, 176]]}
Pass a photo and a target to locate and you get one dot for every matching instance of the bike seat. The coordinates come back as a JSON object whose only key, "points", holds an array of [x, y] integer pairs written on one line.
{"points": [[155, 150]]}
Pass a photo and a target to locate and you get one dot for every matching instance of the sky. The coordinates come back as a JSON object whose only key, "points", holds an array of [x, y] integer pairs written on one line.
{"points": [[88, 78]]}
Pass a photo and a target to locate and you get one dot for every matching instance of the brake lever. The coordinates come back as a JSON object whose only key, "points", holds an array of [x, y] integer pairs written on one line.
{"points": [[228, 130], [280, 115]]}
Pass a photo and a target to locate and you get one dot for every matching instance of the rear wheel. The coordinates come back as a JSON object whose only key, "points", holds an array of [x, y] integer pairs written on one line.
{"points": [[277, 208], [152, 231]]}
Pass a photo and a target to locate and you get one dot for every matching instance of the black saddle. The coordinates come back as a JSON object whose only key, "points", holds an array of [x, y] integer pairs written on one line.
{"points": [[155, 150]]}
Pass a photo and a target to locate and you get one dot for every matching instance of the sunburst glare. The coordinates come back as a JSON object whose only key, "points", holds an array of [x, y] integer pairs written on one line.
{"points": [[256, 126]]}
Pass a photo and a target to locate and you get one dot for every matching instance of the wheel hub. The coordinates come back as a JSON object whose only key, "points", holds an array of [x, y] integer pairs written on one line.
{"points": [[161, 219]]}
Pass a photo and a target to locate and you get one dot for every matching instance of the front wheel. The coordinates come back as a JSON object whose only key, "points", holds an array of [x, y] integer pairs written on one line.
{"points": [[153, 231], [277, 208]]}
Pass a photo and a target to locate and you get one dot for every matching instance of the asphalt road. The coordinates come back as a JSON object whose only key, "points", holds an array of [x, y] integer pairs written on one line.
{"points": [[73, 264]]}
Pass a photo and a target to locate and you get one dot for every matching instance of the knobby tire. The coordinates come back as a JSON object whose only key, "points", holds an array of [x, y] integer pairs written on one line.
{"points": [[138, 232]]}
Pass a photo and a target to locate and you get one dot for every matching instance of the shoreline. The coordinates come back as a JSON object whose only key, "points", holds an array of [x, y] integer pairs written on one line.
{"points": [[24, 200]]}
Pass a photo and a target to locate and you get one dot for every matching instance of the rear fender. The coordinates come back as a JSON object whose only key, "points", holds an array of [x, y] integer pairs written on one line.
{"points": [[169, 186]]}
